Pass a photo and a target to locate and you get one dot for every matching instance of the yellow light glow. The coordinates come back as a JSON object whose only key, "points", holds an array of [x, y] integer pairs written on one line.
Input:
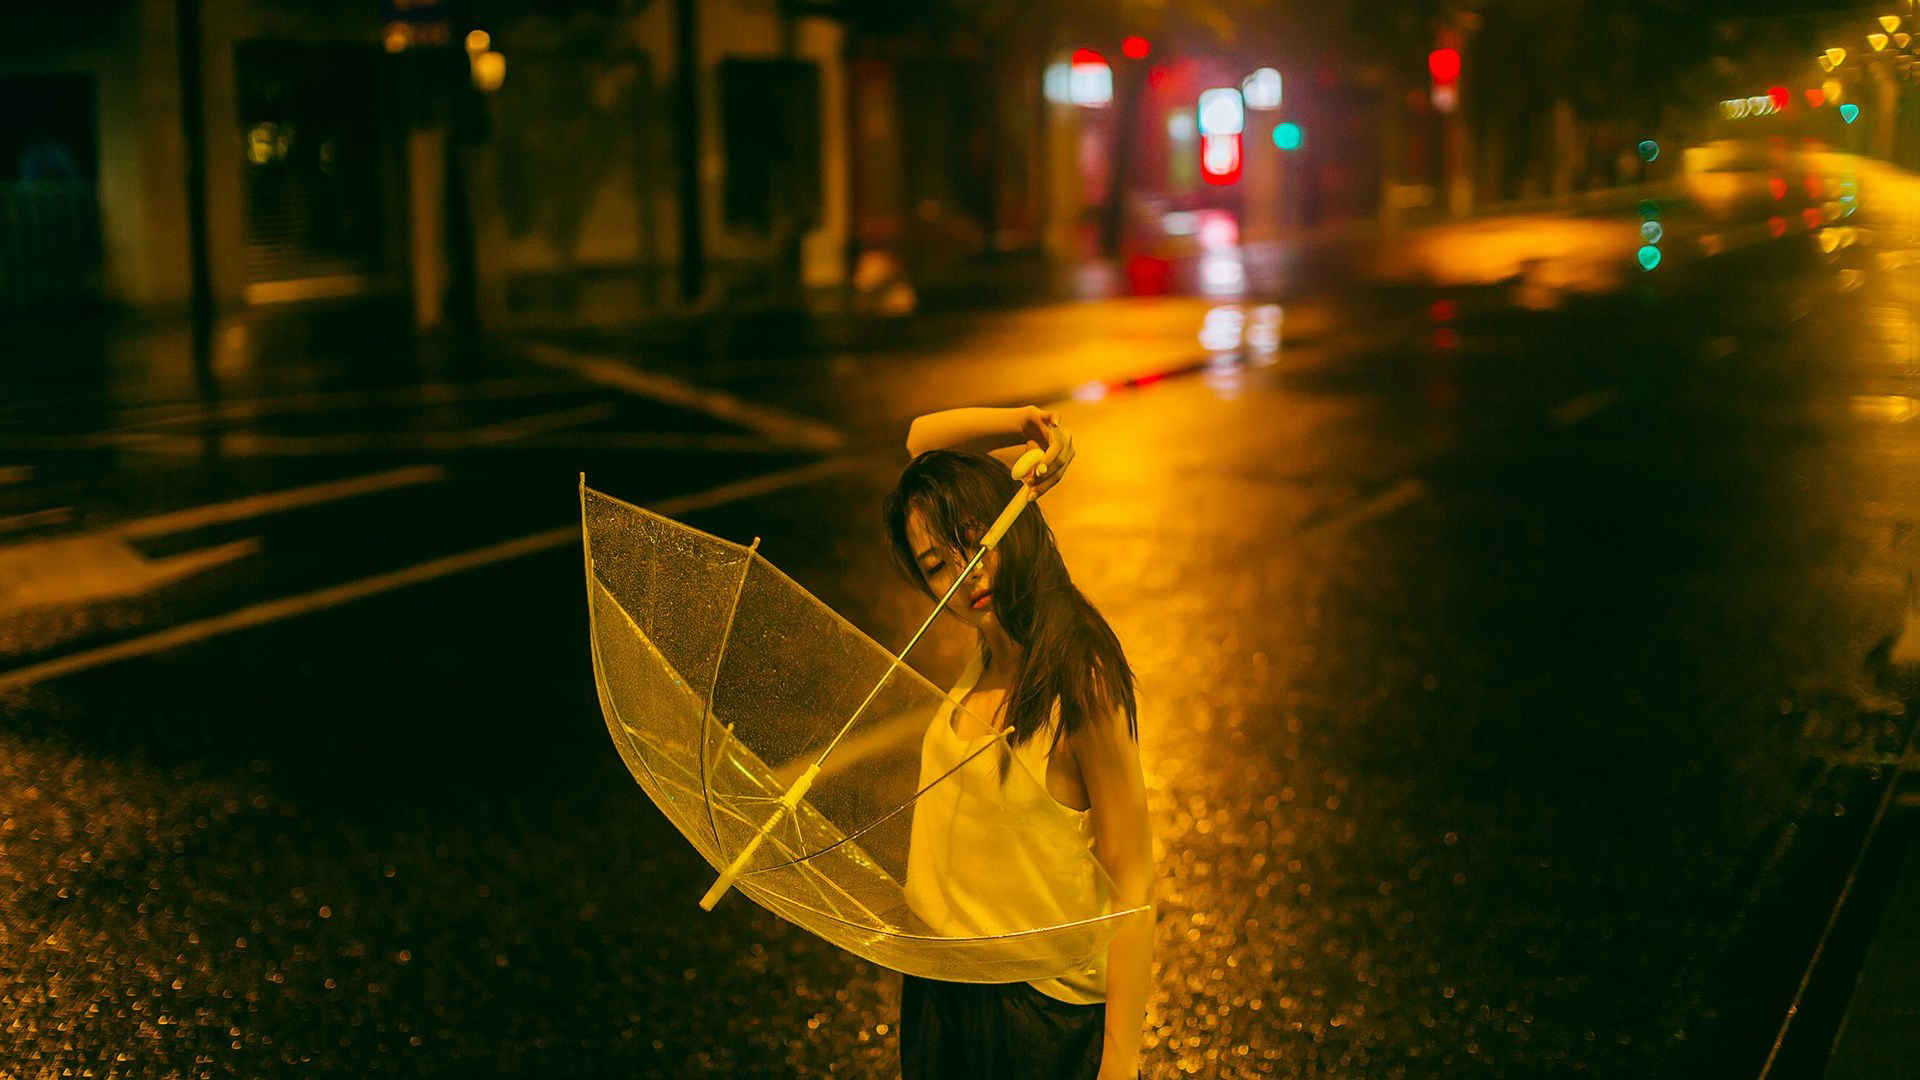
{"points": [[260, 140], [479, 41], [1902, 39], [1890, 23], [489, 71], [1878, 41], [395, 38], [1834, 91], [1836, 56], [1825, 64]]}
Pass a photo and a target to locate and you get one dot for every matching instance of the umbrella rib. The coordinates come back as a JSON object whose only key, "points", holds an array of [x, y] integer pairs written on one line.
{"points": [[726, 635], [593, 626], [884, 818], [1091, 920]]}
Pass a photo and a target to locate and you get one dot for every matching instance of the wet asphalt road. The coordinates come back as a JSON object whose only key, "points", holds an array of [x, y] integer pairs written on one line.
{"points": [[1512, 675]]}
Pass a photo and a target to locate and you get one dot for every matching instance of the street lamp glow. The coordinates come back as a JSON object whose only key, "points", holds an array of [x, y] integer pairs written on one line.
{"points": [[1890, 23], [1902, 38], [1834, 92], [1836, 56], [1261, 89], [489, 71], [1825, 64], [478, 41], [1878, 41]]}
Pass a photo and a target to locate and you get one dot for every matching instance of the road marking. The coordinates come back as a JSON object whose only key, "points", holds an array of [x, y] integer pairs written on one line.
{"points": [[334, 596], [1404, 493], [75, 570], [262, 444], [772, 423], [275, 502], [658, 440], [559, 420], [15, 474], [1575, 409], [58, 515]]}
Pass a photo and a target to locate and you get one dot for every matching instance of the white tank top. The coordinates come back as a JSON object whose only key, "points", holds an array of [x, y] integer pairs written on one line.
{"points": [[971, 874]]}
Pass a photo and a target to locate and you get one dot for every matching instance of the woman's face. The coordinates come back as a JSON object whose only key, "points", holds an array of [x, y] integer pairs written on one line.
{"points": [[938, 564]]}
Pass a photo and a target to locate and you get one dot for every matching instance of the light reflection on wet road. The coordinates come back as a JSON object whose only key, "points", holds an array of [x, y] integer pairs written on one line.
{"points": [[1483, 673]]}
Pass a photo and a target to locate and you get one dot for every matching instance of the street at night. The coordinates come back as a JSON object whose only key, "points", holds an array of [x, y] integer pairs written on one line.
{"points": [[1516, 553], [1517, 685]]}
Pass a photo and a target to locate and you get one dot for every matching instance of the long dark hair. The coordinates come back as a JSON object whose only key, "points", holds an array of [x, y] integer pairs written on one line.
{"points": [[1069, 653]]}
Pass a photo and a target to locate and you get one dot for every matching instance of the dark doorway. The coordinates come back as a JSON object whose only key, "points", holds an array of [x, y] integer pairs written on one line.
{"points": [[49, 195]]}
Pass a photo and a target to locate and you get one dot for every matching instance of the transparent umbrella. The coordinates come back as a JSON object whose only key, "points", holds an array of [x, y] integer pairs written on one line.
{"points": [[786, 746]]}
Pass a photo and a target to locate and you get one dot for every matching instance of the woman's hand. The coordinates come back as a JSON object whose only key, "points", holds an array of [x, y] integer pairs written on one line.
{"points": [[1043, 432]]}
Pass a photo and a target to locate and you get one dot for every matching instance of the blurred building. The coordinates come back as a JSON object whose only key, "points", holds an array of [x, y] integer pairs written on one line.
{"points": [[368, 146]]}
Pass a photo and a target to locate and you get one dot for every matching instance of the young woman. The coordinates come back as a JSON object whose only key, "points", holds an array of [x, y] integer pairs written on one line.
{"points": [[1050, 673]]}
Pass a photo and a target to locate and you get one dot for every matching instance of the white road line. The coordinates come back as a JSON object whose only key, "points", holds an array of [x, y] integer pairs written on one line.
{"points": [[334, 596], [772, 423], [1404, 493], [58, 515], [15, 474], [275, 502], [657, 440], [1575, 409], [263, 444], [559, 420]]}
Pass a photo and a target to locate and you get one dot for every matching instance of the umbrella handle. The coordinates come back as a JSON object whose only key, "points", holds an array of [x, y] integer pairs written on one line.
{"points": [[787, 802], [1027, 462]]}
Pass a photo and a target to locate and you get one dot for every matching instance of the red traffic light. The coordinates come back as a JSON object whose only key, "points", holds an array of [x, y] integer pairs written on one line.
{"points": [[1445, 65], [1135, 48], [1781, 98]]}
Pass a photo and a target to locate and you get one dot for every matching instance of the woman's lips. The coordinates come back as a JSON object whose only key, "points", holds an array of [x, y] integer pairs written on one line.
{"points": [[981, 603]]}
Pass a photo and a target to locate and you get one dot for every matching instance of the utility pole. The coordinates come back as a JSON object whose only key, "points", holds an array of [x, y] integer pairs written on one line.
{"points": [[687, 148], [193, 130]]}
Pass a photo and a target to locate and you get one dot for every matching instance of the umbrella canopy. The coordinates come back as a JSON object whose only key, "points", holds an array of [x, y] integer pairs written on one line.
{"points": [[724, 683]]}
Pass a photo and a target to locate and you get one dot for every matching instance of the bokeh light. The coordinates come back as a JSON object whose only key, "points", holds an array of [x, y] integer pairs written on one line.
{"points": [[1649, 257], [1221, 112], [1649, 150], [1261, 89], [1287, 136]]}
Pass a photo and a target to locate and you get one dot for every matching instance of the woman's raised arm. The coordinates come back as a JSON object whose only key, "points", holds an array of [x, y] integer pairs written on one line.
{"points": [[951, 428], [955, 428]]}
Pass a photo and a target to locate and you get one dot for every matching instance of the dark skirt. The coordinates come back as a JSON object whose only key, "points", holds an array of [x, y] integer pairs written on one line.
{"points": [[1000, 1030]]}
